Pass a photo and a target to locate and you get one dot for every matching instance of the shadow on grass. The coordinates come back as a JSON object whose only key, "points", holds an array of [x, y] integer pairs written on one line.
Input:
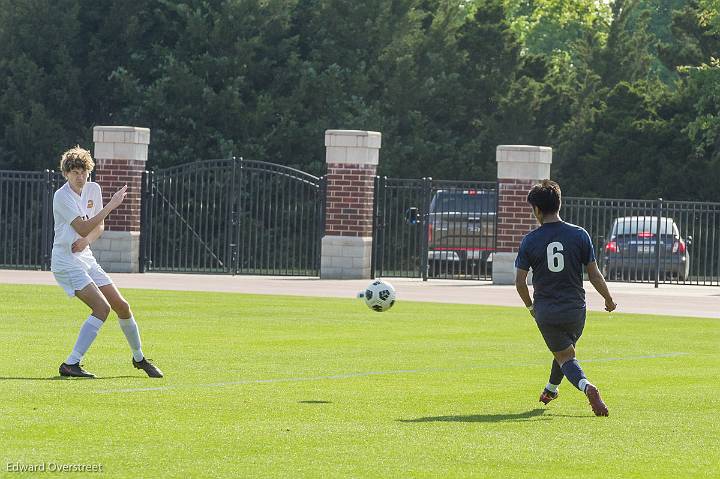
{"points": [[63, 378], [518, 417], [315, 402], [537, 414]]}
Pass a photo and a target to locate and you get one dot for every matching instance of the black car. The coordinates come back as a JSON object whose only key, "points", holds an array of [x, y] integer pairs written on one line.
{"points": [[634, 251], [461, 230]]}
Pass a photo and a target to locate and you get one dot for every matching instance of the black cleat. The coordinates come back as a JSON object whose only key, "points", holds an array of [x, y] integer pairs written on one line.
{"points": [[147, 366], [74, 371]]}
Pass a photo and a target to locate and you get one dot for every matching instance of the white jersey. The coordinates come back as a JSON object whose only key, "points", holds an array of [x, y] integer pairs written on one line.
{"points": [[68, 205]]}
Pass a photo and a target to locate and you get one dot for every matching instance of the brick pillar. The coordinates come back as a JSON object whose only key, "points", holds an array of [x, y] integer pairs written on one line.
{"points": [[352, 158], [519, 168], [120, 156]]}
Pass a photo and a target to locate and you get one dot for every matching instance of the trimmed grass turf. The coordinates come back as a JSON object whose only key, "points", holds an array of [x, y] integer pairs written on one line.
{"points": [[309, 387]]}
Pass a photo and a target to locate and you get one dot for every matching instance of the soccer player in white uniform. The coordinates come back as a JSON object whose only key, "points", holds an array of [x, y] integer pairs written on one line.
{"points": [[79, 220]]}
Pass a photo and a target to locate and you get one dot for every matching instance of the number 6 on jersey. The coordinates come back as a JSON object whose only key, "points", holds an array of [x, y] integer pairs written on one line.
{"points": [[555, 259]]}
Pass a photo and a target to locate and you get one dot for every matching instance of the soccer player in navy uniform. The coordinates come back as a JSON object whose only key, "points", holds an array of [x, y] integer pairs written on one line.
{"points": [[557, 252]]}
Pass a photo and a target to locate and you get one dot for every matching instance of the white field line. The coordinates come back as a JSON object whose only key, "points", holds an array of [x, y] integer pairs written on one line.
{"points": [[368, 373]]}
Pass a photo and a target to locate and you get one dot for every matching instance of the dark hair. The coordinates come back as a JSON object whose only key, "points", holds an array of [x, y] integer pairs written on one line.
{"points": [[546, 196]]}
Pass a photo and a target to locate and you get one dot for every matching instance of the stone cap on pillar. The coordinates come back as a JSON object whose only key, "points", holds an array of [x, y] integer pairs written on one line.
{"points": [[121, 142], [523, 162], [357, 147]]}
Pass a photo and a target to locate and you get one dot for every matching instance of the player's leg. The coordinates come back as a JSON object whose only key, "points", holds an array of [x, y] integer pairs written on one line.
{"points": [[566, 334], [551, 390], [125, 318], [571, 367], [91, 296], [556, 374], [130, 329], [552, 334], [561, 334], [572, 370]]}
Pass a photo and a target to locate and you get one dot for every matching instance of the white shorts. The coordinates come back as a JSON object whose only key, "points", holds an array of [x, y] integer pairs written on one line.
{"points": [[80, 275]]}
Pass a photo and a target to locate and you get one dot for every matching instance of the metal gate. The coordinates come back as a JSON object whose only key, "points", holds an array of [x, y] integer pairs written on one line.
{"points": [[232, 216], [425, 228], [26, 219], [651, 241]]}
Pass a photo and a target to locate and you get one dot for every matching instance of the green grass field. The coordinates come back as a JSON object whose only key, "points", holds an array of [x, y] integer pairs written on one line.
{"points": [[276, 386]]}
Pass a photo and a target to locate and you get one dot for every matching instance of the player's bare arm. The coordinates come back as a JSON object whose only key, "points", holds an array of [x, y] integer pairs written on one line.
{"points": [[598, 282], [85, 227], [522, 289], [86, 241]]}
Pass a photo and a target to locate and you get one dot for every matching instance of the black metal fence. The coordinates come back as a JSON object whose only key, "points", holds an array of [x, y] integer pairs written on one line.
{"points": [[399, 245], [426, 228], [232, 216], [247, 217], [26, 221], [652, 241], [418, 233]]}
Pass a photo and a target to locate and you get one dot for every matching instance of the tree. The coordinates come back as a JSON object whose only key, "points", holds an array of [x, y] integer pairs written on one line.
{"points": [[701, 124], [445, 81], [41, 101], [695, 36], [551, 27], [622, 137]]}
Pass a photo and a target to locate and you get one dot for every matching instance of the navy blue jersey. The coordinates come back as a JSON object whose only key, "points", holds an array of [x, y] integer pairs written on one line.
{"points": [[556, 253]]}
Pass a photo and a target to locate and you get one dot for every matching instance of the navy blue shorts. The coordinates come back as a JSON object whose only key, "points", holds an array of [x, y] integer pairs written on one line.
{"points": [[561, 330]]}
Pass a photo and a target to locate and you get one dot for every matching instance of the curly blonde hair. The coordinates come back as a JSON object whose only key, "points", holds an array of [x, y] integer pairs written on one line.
{"points": [[76, 158]]}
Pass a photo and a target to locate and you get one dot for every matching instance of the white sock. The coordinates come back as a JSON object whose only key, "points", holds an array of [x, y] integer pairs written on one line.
{"points": [[88, 333], [552, 387], [132, 334], [582, 384]]}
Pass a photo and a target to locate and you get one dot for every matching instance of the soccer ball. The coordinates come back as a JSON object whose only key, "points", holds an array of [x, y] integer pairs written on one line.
{"points": [[379, 296]]}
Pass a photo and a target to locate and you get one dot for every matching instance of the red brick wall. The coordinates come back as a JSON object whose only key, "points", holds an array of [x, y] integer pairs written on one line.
{"points": [[349, 199], [112, 175], [514, 217]]}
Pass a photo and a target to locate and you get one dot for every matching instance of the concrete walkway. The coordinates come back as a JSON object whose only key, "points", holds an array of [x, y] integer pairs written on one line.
{"points": [[676, 300]]}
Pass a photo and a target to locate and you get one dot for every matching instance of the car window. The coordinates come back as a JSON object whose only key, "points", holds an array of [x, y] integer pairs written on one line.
{"points": [[641, 224], [478, 202]]}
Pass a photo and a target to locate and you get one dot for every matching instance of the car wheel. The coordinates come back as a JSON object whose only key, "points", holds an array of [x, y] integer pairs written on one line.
{"points": [[683, 275]]}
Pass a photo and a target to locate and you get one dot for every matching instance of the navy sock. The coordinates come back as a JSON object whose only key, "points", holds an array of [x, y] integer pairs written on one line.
{"points": [[572, 370], [556, 373]]}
